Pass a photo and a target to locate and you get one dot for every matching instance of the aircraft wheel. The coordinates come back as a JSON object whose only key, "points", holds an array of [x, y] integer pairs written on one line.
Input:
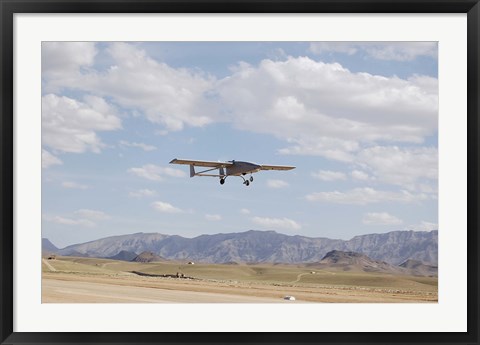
{"points": [[222, 181], [247, 183], [251, 178]]}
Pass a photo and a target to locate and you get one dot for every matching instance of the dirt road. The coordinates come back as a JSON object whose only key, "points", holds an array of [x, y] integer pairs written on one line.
{"points": [[50, 267]]}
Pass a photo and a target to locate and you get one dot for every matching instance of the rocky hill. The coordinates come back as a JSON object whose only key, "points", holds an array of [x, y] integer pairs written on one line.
{"points": [[351, 261], [419, 268], [48, 247], [124, 256], [147, 257], [266, 246]]}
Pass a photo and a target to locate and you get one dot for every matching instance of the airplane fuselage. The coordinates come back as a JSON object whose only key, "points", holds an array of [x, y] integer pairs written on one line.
{"points": [[242, 168]]}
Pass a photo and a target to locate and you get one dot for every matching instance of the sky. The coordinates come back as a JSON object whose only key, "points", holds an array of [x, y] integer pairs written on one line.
{"points": [[358, 120]]}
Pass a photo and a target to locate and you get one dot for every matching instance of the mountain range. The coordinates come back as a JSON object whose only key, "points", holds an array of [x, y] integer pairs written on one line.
{"points": [[393, 248]]}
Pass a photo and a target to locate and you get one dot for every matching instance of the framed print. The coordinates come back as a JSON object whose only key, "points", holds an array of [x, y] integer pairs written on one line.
{"points": [[241, 172]]}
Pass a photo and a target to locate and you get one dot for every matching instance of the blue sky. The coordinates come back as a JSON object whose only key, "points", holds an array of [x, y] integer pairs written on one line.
{"points": [[359, 120]]}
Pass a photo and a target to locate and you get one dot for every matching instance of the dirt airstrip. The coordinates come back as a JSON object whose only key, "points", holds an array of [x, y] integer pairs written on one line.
{"points": [[95, 281]]}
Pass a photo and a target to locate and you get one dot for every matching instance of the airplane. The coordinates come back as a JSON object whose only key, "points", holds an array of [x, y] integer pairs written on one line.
{"points": [[230, 168]]}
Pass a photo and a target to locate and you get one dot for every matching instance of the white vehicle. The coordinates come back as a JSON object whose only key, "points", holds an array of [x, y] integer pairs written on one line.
{"points": [[289, 298]]}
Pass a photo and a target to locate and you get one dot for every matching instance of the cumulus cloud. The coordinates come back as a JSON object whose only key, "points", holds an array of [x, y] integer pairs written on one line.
{"points": [[324, 109], [277, 223], [172, 97], [142, 193], [382, 218], [69, 125], [328, 175], [277, 184], [298, 99], [63, 62], [405, 167], [48, 159], [165, 207], [74, 185], [155, 173], [144, 147], [391, 51], [244, 211], [213, 217], [364, 196]]}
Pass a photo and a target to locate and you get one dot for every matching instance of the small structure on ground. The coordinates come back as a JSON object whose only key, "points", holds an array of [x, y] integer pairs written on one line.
{"points": [[289, 298], [191, 263]]}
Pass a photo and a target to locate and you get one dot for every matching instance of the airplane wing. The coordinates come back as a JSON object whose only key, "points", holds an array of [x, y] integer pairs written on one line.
{"points": [[201, 163], [276, 167]]}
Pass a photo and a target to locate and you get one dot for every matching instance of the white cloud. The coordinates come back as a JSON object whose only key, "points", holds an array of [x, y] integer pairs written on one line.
{"points": [[213, 217], [423, 226], [92, 214], [328, 175], [155, 173], [245, 211], [144, 147], [402, 51], [405, 167], [74, 185], [382, 218], [277, 223], [394, 51], [324, 109], [142, 193], [62, 62], [360, 175], [333, 47], [172, 97], [48, 159], [68, 221], [364, 196], [165, 207], [276, 184], [70, 126]]}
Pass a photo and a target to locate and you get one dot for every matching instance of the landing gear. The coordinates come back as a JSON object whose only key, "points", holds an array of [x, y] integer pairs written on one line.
{"points": [[251, 178], [246, 182], [222, 180]]}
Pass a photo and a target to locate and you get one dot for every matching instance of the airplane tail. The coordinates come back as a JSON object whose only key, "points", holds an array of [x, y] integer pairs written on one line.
{"points": [[192, 171]]}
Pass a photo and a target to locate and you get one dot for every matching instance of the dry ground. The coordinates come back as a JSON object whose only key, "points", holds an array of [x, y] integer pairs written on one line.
{"points": [[88, 280]]}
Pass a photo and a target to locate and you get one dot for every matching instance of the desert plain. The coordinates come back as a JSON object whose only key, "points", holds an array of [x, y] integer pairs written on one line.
{"points": [[93, 280]]}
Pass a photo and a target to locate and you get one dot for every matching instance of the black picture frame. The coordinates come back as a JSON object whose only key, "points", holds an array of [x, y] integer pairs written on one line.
{"points": [[10, 7]]}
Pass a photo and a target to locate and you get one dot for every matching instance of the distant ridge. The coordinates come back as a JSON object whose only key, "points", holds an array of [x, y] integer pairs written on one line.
{"points": [[266, 246]]}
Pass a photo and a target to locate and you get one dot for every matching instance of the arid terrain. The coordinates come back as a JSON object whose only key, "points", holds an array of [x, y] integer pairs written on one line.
{"points": [[92, 280]]}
